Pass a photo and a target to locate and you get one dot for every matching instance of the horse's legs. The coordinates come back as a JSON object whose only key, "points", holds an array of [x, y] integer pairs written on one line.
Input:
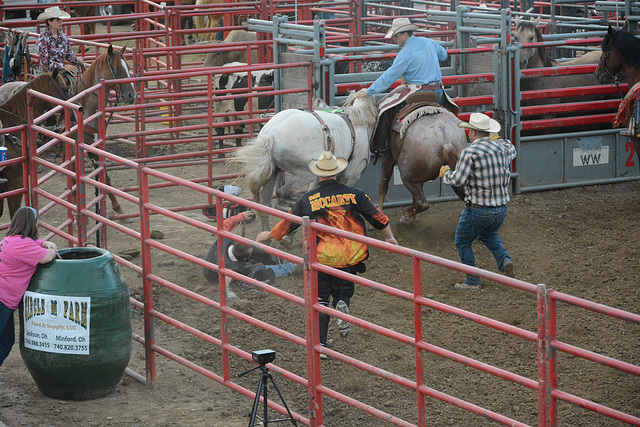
{"points": [[387, 171], [238, 131], [265, 198], [114, 202], [14, 204], [419, 200], [220, 132]]}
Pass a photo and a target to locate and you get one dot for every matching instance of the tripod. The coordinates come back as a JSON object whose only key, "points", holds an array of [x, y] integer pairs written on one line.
{"points": [[262, 387]]}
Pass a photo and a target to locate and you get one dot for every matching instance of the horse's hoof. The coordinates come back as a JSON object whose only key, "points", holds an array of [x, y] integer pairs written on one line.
{"points": [[405, 220]]}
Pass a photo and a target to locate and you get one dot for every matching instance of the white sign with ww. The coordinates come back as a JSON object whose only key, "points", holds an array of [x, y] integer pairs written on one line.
{"points": [[57, 324]]}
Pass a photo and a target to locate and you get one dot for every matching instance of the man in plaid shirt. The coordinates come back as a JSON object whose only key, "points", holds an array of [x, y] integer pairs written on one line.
{"points": [[483, 169]]}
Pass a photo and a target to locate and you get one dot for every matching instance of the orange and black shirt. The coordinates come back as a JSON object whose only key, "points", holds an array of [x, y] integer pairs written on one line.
{"points": [[340, 206]]}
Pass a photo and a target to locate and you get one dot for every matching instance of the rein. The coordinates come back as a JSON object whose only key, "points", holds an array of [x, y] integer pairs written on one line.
{"points": [[117, 89], [616, 80]]}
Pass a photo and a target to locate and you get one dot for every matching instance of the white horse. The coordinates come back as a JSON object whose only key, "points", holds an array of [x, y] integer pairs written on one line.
{"points": [[294, 137]]}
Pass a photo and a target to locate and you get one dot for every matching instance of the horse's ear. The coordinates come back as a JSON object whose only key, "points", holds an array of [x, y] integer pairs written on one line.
{"points": [[625, 27], [124, 49], [517, 21], [110, 50], [610, 31], [55, 73], [536, 22]]}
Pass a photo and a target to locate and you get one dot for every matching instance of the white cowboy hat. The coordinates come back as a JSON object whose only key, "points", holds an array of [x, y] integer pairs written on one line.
{"points": [[400, 25], [481, 122], [51, 13], [327, 164]]}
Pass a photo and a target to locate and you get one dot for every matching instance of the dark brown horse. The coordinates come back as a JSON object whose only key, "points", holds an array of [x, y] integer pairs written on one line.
{"points": [[13, 113], [86, 11], [621, 62], [110, 66], [429, 142]]}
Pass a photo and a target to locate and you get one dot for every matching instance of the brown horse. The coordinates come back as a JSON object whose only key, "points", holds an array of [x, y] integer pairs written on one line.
{"points": [[109, 66], [621, 62], [429, 142], [13, 113], [86, 11], [208, 21]]}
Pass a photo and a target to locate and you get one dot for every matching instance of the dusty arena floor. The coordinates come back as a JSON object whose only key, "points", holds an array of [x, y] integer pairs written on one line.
{"points": [[581, 241]]}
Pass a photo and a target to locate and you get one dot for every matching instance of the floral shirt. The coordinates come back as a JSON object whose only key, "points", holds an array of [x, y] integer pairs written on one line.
{"points": [[53, 52]]}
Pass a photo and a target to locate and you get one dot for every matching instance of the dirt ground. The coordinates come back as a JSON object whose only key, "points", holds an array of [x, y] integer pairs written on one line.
{"points": [[581, 241]]}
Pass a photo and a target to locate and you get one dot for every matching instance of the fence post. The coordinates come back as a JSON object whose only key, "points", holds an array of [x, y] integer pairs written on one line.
{"points": [[147, 284], [312, 330], [543, 346], [552, 360], [81, 202], [419, 338], [29, 153]]}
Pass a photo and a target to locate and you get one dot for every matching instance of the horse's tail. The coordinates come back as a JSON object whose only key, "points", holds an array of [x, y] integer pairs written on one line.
{"points": [[258, 162]]}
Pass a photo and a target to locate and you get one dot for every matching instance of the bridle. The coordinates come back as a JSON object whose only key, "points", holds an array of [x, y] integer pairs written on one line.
{"points": [[616, 80], [117, 89]]}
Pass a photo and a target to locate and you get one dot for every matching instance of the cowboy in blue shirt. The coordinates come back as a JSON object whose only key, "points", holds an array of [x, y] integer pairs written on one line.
{"points": [[417, 63]]}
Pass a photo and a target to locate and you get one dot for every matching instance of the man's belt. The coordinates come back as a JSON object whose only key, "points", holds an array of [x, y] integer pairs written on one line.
{"points": [[431, 86]]}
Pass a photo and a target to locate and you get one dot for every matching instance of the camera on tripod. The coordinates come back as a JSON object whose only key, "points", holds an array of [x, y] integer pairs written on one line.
{"points": [[262, 357]]}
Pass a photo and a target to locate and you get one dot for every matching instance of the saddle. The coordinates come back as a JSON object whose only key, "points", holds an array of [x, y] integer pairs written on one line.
{"points": [[415, 97]]}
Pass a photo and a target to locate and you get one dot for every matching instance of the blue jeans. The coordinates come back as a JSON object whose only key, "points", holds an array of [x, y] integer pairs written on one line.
{"points": [[483, 224], [7, 332], [282, 270]]}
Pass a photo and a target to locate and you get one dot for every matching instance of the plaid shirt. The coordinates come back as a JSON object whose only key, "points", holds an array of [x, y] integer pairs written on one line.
{"points": [[484, 170], [53, 52]]}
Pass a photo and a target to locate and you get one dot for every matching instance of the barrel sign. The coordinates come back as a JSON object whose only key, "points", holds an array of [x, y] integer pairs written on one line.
{"points": [[57, 324]]}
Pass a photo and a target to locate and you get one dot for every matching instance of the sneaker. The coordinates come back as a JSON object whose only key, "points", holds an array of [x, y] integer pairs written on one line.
{"points": [[322, 355], [232, 298], [466, 287], [507, 268], [344, 327]]}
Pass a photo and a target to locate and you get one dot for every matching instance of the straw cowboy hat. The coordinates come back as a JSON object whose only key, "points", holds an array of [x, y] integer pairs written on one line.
{"points": [[482, 123], [400, 25], [327, 164], [51, 13]]}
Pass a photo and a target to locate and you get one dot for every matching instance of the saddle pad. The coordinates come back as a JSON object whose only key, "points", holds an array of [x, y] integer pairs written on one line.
{"points": [[415, 114]]}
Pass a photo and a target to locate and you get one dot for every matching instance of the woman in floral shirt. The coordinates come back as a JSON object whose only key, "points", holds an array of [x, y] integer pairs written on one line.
{"points": [[54, 47]]}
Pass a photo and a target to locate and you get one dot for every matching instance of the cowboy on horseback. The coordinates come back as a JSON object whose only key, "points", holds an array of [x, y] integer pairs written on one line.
{"points": [[417, 63]]}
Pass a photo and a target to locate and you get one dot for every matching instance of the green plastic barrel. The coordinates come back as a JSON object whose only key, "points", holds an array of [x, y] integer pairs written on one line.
{"points": [[75, 325]]}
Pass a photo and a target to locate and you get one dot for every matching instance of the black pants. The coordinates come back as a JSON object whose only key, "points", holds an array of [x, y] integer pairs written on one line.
{"points": [[382, 136]]}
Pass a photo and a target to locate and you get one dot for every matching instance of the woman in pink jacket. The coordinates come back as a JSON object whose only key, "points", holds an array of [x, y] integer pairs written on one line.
{"points": [[20, 253]]}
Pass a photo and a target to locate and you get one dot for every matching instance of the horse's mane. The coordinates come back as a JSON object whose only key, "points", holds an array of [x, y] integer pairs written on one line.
{"points": [[542, 51], [363, 114], [101, 61], [17, 104], [626, 44]]}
